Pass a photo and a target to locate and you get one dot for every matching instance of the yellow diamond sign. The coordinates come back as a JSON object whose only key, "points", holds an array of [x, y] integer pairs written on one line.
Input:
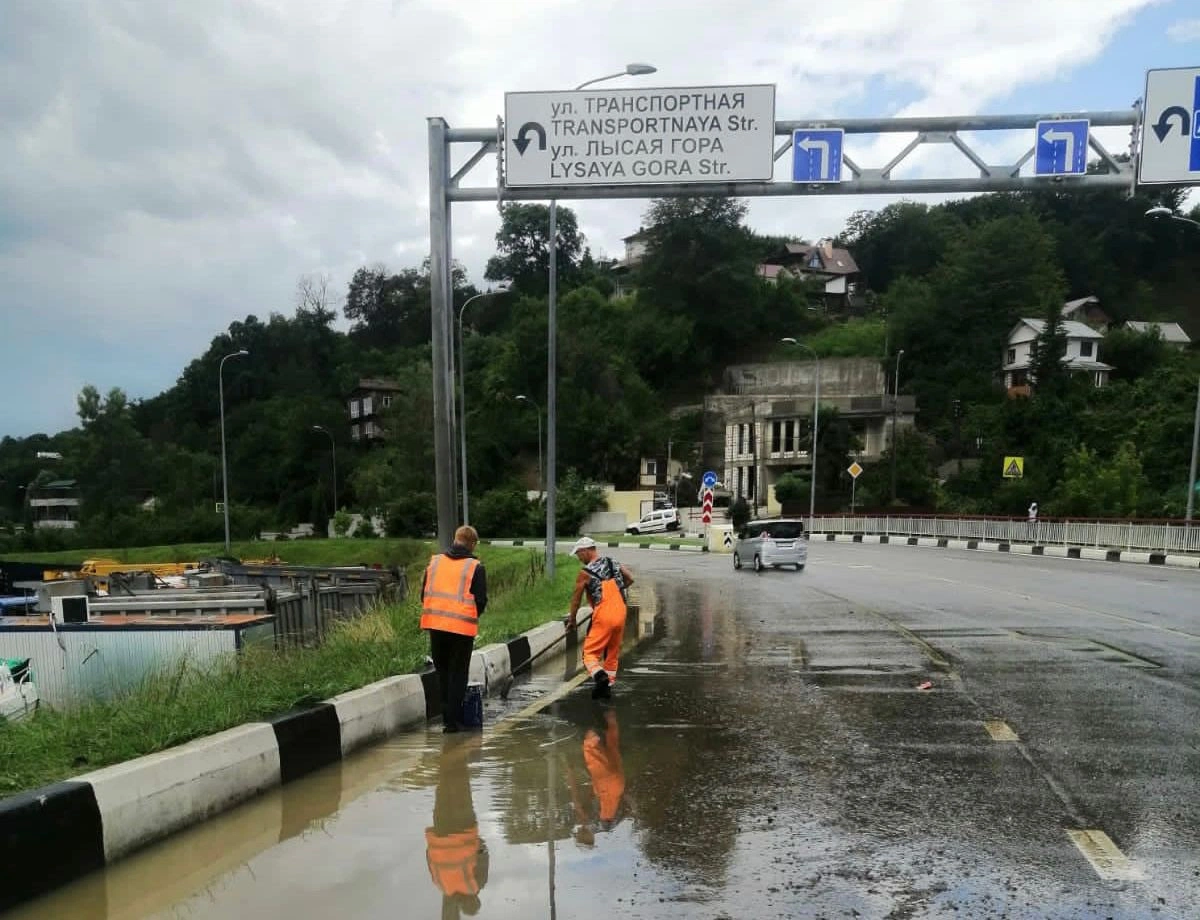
{"points": [[1014, 467], [854, 470]]}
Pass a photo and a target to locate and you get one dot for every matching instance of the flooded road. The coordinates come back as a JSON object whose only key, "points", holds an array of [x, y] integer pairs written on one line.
{"points": [[768, 753]]}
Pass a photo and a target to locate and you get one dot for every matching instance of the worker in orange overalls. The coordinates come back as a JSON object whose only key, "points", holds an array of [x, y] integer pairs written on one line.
{"points": [[456, 855], [602, 757], [604, 581], [454, 595]]}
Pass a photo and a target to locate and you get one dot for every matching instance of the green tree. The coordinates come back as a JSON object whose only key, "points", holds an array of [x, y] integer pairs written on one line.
{"points": [[523, 248], [792, 487], [1100, 488]]}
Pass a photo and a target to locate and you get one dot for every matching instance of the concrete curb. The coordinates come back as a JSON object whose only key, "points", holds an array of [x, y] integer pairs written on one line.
{"points": [[95, 819], [1098, 554], [566, 546]]}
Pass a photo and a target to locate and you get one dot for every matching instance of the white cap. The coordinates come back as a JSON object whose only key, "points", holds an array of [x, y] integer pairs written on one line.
{"points": [[583, 543]]}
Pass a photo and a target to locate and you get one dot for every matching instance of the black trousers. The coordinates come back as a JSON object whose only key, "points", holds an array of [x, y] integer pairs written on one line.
{"points": [[451, 654]]}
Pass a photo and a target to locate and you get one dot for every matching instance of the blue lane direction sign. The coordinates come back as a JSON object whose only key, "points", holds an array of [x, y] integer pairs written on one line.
{"points": [[709, 480], [817, 155], [1062, 147]]}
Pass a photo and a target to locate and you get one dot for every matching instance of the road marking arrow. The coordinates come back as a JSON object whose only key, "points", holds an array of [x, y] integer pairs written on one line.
{"points": [[1163, 127], [1051, 136], [809, 144], [521, 142]]}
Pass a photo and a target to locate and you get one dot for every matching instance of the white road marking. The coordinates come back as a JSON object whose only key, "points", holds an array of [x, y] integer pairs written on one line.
{"points": [[1000, 731]]}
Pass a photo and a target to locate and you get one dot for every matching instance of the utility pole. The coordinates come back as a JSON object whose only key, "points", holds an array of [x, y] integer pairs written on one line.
{"points": [[895, 400], [1191, 498]]}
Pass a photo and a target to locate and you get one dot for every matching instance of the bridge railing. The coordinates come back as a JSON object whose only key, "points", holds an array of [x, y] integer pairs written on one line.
{"points": [[1145, 536]]}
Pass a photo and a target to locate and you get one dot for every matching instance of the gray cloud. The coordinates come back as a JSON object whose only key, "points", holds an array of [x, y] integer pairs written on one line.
{"points": [[171, 167]]}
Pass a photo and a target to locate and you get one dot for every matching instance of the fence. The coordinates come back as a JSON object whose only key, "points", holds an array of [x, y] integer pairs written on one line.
{"points": [[1144, 536]]}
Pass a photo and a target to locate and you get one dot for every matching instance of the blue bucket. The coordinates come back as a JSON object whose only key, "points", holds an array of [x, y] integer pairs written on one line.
{"points": [[472, 707]]}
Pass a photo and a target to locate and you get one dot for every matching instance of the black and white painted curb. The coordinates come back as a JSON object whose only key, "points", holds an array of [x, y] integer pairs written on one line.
{"points": [[53, 835], [1100, 554], [565, 547]]}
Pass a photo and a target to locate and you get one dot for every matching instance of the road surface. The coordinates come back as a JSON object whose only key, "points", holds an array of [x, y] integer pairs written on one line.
{"points": [[769, 754]]}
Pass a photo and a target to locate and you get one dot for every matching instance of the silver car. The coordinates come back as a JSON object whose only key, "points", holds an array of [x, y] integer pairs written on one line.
{"points": [[774, 543]]}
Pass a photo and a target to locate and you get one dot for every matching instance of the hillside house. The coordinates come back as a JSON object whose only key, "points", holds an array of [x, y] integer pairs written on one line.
{"points": [[365, 405], [1082, 355], [1171, 333], [831, 264], [55, 505], [635, 251], [1086, 310]]}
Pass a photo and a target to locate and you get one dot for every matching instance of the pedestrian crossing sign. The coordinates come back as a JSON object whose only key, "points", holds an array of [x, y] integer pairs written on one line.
{"points": [[1014, 467]]}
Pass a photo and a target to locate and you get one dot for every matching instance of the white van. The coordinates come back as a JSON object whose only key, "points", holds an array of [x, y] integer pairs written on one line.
{"points": [[762, 544], [656, 522]]}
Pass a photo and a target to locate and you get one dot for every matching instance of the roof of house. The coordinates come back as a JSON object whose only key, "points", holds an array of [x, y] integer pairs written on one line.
{"points": [[59, 484], [1073, 329], [375, 383], [641, 234], [770, 272], [834, 260], [1072, 307], [1170, 332]]}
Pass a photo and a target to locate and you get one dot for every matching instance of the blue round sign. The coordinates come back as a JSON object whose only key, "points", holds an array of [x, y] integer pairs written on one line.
{"points": [[709, 480]]}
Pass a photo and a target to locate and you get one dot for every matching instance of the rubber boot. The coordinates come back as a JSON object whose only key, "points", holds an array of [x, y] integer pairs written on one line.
{"points": [[602, 690]]}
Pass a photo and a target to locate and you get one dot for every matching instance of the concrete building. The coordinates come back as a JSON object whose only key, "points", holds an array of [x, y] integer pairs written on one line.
{"points": [[766, 413], [1086, 310], [635, 251], [365, 405], [1082, 355], [55, 505]]}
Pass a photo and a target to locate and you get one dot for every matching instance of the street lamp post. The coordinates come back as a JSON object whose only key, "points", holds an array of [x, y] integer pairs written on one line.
{"points": [[895, 400], [1191, 499], [538, 409], [462, 388], [812, 475], [633, 70], [1191, 495], [333, 449], [241, 353]]}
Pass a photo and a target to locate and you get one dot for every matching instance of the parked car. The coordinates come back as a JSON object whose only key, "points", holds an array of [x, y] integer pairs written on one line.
{"points": [[774, 543], [656, 522]]}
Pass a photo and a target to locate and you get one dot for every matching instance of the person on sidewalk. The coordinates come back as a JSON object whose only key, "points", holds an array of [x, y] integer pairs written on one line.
{"points": [[453, 598], [604, 581], [455, 853]]}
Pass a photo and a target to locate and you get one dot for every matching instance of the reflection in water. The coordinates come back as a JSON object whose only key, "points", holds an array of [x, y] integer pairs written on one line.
{"points": [[602, 757], [457, 856]]}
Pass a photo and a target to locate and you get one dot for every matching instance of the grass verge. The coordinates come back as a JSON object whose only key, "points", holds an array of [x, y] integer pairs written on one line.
{"points": [[183, 702]]}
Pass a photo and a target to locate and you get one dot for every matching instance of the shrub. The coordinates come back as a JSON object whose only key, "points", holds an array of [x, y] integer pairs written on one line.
{"points": [[739, 513], [415, 515]]}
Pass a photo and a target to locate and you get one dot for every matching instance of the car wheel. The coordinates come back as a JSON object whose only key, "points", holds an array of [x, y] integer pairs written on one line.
{"points": [[799, 566], [758, 566], [633, 531], [737, 561]]}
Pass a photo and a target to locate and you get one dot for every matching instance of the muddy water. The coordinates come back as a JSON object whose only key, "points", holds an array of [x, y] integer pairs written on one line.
{"points": [[765, 754]]}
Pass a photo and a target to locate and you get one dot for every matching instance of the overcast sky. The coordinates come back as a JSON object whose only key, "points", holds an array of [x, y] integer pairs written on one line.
{"points": [[169, 166]]}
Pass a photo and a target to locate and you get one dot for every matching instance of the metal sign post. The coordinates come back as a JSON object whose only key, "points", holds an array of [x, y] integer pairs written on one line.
{"points": [[716, 140]]}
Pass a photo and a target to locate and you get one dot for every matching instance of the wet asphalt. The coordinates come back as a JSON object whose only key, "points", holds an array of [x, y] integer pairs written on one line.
{"points": [[895, 732]]}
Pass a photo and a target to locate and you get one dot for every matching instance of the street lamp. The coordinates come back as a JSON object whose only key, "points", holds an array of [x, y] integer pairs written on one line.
{"points": [[812, 484], [333, 448], [633, 70], [895, 400], [462, 386], [538, 409], [241, 353], [1160, 211]]}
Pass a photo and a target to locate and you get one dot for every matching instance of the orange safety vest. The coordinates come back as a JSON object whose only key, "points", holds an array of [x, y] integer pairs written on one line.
{"points": [[448, 604], [452, 859]]}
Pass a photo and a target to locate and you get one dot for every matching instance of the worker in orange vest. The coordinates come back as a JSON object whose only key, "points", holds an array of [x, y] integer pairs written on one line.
{"points": [[604, 581], [454, 595], [456, 855]]}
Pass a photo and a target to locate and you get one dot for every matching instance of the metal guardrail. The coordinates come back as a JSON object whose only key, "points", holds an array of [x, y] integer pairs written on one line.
{"points": [[1151, 536]]}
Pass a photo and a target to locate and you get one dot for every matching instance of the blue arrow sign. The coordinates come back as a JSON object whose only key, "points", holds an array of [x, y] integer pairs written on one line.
{"points": [[709, 480], [817, 155], [1194, 163], [1062, 148]]}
